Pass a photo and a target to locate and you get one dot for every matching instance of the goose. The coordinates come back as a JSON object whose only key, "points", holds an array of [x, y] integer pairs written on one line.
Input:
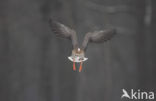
{"points": [[78, 52]]}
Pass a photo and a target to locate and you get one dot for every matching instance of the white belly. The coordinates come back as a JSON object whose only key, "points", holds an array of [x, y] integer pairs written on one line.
{"points": [[76, 59]]}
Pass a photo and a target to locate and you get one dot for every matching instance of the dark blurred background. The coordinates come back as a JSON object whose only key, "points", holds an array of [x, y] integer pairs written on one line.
{"points": [[34, 64]]}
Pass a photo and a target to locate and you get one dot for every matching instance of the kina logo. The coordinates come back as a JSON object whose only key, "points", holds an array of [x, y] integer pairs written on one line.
{"points": [[137, 95]]}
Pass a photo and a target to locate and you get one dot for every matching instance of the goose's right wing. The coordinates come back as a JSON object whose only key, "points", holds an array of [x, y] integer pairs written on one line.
{"points": [[98, 37]]}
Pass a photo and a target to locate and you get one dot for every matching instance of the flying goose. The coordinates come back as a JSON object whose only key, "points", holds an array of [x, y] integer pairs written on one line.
{"points": [[78, 52]]}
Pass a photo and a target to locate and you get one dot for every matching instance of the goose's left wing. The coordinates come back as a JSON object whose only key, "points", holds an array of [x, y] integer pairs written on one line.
{"points": [[98, 36]]}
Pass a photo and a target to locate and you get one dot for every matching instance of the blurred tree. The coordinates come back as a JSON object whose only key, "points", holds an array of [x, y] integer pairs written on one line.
{"points": [[4, 52], [151, 49]]}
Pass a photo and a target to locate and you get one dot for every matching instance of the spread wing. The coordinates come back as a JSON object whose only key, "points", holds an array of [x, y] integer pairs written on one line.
{"points": [[63, 31], [98, 37]]}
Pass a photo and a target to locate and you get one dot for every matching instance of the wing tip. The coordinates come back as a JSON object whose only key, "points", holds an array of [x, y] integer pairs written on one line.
{"points": [[52, 21], [113, 30]]}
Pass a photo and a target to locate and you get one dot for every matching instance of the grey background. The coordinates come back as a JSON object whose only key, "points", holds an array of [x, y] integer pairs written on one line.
{"points": [[34, 64]]}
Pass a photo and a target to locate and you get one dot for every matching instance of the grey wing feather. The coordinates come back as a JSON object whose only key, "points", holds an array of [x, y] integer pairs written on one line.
{"points": [[63, 31], [98, 37]]}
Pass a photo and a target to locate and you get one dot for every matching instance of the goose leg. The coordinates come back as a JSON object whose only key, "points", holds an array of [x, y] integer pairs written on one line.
{"points": [[80, 69]]}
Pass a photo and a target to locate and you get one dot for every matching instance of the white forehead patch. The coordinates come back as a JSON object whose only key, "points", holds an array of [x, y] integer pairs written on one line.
{"points": [[76, 59]]}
